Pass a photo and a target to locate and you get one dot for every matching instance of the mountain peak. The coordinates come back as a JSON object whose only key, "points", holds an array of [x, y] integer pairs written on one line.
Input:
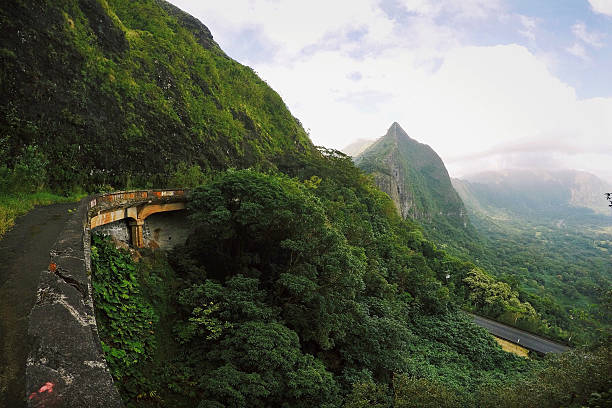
{"points": [[396, 132], [395, 127], [417, 181]]}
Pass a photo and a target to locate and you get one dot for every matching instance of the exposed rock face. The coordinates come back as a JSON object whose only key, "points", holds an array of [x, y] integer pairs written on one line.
{"points": [[415, 178]]}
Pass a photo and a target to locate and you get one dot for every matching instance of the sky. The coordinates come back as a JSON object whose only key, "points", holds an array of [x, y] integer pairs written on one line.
{"points": [[488, 84]]}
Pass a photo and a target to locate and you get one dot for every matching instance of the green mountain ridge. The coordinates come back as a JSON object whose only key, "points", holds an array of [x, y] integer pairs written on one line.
{"points": [[300, 286], [535, 192], [417, 181], [116, 92], [530, 229]]}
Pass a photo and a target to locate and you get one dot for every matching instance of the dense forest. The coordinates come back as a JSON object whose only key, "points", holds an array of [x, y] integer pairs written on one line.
{"points": [[311, 290], [301, 285], [105, 94], [555, 254]]}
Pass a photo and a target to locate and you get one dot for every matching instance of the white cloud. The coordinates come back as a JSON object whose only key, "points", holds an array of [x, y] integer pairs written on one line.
{"points": [[578, 50], [348, 70], [602, 6], [291, 25], [465, 9], [480, 100], [593, 39], [529, 26]]}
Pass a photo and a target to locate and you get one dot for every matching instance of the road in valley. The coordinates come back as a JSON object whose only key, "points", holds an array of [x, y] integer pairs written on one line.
{"points": [[520, 337]]}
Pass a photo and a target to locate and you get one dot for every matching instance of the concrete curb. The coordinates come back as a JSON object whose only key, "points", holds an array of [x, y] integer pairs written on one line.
{"points": [[66, 366]]}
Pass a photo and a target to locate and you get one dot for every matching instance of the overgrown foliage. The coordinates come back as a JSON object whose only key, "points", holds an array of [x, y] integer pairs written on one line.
{"points": [[311, 291], [578, 378], [126, 319], [117, 92], [332, 267], [556, 256]]}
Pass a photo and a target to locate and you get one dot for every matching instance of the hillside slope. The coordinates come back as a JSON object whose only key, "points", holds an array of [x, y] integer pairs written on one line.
{"points": [[417, 181], [119, 92], [541, 232]]}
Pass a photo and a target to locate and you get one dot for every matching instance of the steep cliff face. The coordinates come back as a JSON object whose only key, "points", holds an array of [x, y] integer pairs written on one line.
{"points": [[414, 176], [121, 91], [417, 181]]}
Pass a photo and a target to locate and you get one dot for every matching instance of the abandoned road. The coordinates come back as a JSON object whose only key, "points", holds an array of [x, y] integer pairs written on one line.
{"points": [[24, 254]]}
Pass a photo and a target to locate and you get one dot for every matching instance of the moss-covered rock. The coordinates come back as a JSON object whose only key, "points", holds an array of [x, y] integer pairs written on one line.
{"points": [[120, 92]]}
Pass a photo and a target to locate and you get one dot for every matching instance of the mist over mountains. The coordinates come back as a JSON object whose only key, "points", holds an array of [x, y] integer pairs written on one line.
{"points": [[542, 193]]}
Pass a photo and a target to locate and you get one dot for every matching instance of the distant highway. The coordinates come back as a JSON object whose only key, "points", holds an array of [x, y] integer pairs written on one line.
{"points": [[520, 337]]}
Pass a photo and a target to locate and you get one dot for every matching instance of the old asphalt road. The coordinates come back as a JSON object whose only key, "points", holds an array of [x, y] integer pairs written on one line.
{"points": [[24, 254], [520, 337]]}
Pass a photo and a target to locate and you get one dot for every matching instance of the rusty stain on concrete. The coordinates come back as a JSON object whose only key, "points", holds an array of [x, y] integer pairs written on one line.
{"points": [[136, 206]]}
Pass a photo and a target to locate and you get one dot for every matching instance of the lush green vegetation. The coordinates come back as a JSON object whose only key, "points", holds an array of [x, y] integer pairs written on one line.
{"points": [[564, 273], [557, 256], [416, 179], [25, 186], [305, 291], [301, 285], [126, 319], [119, 93]]}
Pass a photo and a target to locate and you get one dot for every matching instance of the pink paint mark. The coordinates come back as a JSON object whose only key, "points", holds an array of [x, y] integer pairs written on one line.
{"points": [[48, 387]]}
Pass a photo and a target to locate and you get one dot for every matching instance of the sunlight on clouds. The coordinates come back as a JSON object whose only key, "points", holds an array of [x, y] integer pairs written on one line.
{"points": [[468, 9], [348, 70], [480, 98], [602, 6], [293, 25]]}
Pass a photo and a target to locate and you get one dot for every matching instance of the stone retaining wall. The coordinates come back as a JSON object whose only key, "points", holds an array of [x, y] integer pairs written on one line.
{"points": [[66, 366]]}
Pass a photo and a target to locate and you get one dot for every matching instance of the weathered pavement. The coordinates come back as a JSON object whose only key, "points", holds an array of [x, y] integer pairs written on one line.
{"points": [[24, 253], [520, 337]]}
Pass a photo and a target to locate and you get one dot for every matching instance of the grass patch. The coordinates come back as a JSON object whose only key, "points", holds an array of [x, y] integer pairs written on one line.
{"points": [[13, 205]]}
